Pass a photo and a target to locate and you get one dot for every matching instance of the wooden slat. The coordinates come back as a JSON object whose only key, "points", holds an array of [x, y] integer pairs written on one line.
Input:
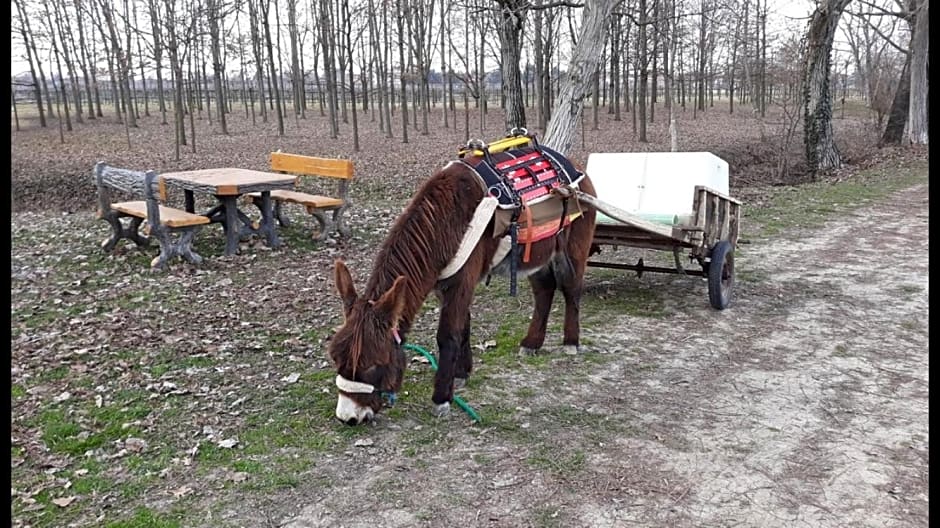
{"points": [[311, 166], [309, 200], [169, 216]]}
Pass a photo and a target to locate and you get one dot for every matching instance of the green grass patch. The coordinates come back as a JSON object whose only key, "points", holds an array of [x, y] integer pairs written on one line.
{"points": [[811, 205], [145, 518]]}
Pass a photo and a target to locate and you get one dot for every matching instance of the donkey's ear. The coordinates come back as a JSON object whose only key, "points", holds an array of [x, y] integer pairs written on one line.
{"points": [[344, 285], [392, 302]]}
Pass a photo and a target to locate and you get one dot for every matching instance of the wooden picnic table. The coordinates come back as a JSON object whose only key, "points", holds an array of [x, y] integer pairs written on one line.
{"points": [[227, 184]]}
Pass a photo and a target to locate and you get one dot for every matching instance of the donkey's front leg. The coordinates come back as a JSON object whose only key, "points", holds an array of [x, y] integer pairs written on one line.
{"points": [[454, 321], [464, 357]]}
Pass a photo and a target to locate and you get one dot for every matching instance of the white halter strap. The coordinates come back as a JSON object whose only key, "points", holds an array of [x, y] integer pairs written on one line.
{"points": [[353, 387]]}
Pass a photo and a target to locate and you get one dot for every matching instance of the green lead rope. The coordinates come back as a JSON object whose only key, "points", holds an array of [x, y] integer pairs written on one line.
{"points": [[457, 399]]}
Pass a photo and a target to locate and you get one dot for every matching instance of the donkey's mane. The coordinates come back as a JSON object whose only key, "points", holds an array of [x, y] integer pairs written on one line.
{"points": [[425, 237]]}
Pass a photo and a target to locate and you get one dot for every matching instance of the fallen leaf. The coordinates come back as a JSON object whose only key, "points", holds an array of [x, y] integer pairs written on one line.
{"points": [[182, 491], [62, 502], [228, 443], [363, 442], [291, 378], [135, 445]]}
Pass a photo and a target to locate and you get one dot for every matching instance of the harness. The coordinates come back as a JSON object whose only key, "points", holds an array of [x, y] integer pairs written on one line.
{"points": [[527, 180]]}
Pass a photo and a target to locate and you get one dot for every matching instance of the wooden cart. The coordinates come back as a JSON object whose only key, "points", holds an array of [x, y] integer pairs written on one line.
{"points": [[709, 236]]}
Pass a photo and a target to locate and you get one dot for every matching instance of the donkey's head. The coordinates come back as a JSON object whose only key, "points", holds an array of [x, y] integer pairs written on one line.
{"points": [[367, 350]]}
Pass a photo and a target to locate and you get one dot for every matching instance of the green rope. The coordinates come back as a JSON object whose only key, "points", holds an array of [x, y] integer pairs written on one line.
{"points": [[457, 399]]}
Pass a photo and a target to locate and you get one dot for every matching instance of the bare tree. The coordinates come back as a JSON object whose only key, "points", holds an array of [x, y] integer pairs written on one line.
{"points": [[265, 22], [27, 38]]}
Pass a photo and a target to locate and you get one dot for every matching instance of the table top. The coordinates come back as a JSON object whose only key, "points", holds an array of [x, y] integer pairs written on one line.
{"points": [[229, 180]]}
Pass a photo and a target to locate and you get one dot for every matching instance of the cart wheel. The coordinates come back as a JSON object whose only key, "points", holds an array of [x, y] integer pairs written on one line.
{"points": [[721, 275]]}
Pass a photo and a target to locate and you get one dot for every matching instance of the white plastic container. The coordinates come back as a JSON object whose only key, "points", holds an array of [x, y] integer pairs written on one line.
{"points": [[656, 186]]}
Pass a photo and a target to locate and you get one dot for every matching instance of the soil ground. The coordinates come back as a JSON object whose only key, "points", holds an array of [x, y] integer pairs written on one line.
{"points": [[202, 396]]}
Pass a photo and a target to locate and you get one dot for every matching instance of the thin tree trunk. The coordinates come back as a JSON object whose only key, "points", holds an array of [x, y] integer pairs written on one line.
{"points": [[401, 67], [256, 49], [265, 10], [641, 104], [347, 18], [218, 69], [897, 116]]}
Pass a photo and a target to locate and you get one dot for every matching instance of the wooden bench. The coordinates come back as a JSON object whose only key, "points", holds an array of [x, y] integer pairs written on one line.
{"points": [[162, 220], [317, 205]]}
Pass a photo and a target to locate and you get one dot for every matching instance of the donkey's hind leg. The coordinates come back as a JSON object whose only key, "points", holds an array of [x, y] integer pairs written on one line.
{"points": [[570, 277], [543, 290]]}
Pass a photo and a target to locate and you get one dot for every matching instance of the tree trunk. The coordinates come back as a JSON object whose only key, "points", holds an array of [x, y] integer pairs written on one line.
{"points": [[297, 77], [897, 117], [265, 11], [641, 104], [157, 55], [215, 15], [329, 66], [257, 52], [444, 11], [347, 20], [821, 151], [511, 21], [584, 63], [917, 132], [401, 72], [16, 115]]}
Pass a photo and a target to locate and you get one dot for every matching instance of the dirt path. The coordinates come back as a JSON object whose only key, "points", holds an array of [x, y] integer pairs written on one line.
{"points": [[804, 404]]}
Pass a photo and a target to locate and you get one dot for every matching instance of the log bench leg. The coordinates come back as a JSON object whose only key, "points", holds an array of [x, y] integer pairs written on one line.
{"points": [[340, 222], [324, 223], [279, 214], [268, 229], [119, 231], [231, 224], [169, 249]]}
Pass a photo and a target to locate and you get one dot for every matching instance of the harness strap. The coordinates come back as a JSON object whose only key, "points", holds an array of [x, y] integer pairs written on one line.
{"points": [[528, 222]]}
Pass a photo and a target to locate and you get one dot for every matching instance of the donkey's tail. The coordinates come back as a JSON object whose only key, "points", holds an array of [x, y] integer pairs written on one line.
{"points": [[561, 264]]}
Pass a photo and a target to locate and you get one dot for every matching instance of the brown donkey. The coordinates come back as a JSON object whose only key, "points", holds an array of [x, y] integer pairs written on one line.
{"points": [[413, 261]]}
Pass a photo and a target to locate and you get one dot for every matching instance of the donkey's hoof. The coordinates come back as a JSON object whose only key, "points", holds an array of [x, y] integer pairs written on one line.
{"points": [[459, 383], [572, 350], [441, 410], [526, 351]]}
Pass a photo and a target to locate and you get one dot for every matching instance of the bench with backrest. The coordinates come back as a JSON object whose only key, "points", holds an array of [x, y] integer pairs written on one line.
{"points": [[163, 221], [316, 205]]}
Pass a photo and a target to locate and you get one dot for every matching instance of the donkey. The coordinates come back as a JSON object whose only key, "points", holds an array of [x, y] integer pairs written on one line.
{"points": [[413, 261]]}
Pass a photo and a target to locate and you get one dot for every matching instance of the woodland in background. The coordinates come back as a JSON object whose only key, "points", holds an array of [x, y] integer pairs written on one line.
{"points": [[405, 63]]}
